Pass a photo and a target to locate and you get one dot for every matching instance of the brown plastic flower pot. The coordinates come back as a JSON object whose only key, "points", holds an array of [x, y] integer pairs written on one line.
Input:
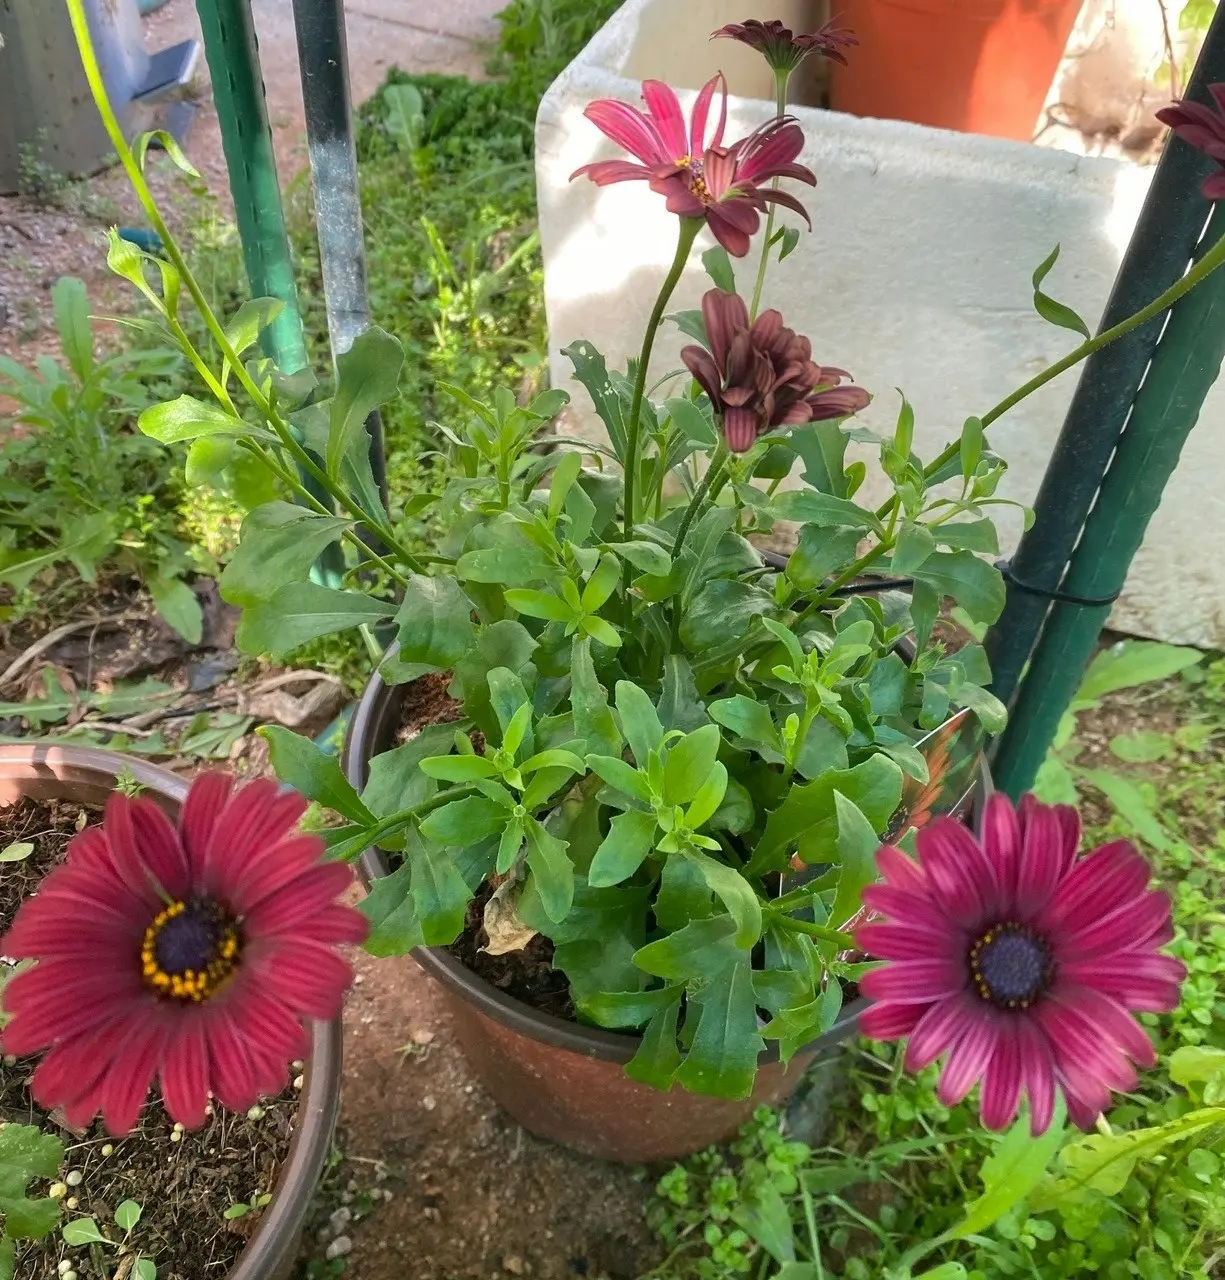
{"points": [[562, 1080], [86, 775]]}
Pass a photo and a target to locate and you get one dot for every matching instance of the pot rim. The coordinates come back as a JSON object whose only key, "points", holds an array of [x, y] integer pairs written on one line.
{"points": [[369, 725], [279, 1227]]}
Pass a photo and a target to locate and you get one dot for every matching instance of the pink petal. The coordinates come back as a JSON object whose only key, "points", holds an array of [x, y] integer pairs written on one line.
{"points": [[1084, 1108], [125, 856], [1143, 922], [1112, 1021], [701, 111], [666, 114], [1038, 1072], [900, 870], [268, 1027], [334, 925], [969, 1058], [1142, 983], [630, 129], [1001, 837], [1045, 859], [308, 978], [1002, 1085], [275, 867], [902, 905], [1109, 878], [961, 878], [915, 981], [55, 1001], [43, 933], [734, 240], [942, 1025], [605, 172], [700, 364], [234, 1078], [255, 821], [157, 843], [889, 1021], [206, 801], [1079, 1047], [724, 314], [184, 1074], [126, 1084], [901, 940]]}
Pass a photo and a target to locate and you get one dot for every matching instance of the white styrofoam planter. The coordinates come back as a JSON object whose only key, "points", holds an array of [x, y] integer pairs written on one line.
{"points": [[916, 275]]}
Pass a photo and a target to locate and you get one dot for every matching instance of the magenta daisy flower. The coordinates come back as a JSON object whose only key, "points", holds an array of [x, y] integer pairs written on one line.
{"points": [[195, 954], [784, 50], [1021, 960], [1204, 129], [722, 185]]}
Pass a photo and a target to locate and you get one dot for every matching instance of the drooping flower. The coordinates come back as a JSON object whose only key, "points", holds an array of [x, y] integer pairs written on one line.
{"points": [[831, 400], [1020, 959], [757, 375], [783, 50], [1204, 129], [722, 185], [195, 954]]}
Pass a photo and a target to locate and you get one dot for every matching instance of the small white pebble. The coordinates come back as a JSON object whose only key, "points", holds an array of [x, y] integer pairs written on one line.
{"points": [[346, 1197], [299, 1081], [423, 1037], [429, 1102], [176, 1137], [107, 1149], [387, 1194], [57, 1190], [179, 1127], [255, 1113], [72, 1202], [10, 1059], [467, 1088], [338, 1248], [297, 1064], [340, 1219], [357, 982], [351, 1185], [75, 1178], [65, 1265], [208, 1108]]}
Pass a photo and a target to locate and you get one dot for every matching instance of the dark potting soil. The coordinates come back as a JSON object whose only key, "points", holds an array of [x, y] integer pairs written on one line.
{"points": [[427, 702], [183, 1181], [526, 975]]}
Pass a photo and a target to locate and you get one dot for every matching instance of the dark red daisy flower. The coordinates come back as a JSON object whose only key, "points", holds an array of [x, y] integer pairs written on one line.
{"points": [[722, 185], [783, 50], [1020, 959], [1204, 129], [759, 375], [195, 954]]}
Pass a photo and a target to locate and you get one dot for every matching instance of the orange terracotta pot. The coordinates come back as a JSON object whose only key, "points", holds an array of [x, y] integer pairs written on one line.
{"points": [[976, 66]]}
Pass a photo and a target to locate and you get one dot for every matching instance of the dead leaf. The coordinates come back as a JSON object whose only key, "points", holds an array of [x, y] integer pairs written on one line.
{"points": [[505, 930]]}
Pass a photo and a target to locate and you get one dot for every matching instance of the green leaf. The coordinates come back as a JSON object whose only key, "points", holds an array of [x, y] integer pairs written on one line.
{"points": [[307, 768], [680, 705], [593, 719], [719, 268], [620, 774], [915, 543], [435, 622], [822, 445], [722, 1059], [1130, 663], [1053, 312], [765, 1216], [748, 719], [18, 851], [658, 1058], [457, 768], [187, 418], [976, 585], [790, 238], [968, 535], [145, 1269], [709, 798], [824, 510], [695, 951], [1009, 1174], [83, 1231], [394, 926], [302, 611], [970, 449], [602, 583], [8, 1257], [721, 612], [650, 557], [985, 705], [179, 606], [736, 894], [631, 837], [1191, 1064], [464, 822], [26, 1153], [689, 763], [692, 422], [1129, 803], [857, 846], [279, 543], [1141, 746], [30, 1219], [1054, 784], [71, 305], [405, 115], [395, 781], [551, 869], [639, 721], [127, 1214], [629, 1008], [510, 564], [369, 376], [250, 320], [539, 604], [819, 553], [591, 370], [440, 893]]}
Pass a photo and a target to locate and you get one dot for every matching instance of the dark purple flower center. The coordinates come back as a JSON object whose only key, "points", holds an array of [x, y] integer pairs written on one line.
{"points": [[1011, 966], [190, 949]]}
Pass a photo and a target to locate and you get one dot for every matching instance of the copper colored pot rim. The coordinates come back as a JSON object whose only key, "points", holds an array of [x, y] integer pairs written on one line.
{"points": [[86, 774]]}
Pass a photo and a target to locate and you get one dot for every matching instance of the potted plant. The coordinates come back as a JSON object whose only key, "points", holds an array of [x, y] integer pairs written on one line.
{"points": [[643, 768], [109, 1030]]}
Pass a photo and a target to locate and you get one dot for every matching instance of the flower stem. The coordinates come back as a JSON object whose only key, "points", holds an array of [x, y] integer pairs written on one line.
{"points": [[267, 410], [718, 464], [1204, 267], [688, 233], [782, 76]]}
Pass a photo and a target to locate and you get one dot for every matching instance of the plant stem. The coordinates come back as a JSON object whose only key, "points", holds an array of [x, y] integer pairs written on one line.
{"points": [[718, 464], [688, 233], [136, 177], [835, 936], [1203, 268], [781, 78]]}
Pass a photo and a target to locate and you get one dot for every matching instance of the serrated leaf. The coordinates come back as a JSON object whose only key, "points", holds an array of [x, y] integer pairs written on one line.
{"points": [[302, 611], [551, 869], [187, 418], [722, 1058], [736, 894], [394, 926], [593, 719], [657, 1059], [699, 948], [435, 622], [976, 585], [369, 376], [440, 894], [279, 543], [306, 767], [824, 510]]}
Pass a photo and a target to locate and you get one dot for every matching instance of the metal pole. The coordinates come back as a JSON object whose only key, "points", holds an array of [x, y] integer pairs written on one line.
{"points": [[246, 138], [1185, 364], [1161, 245], [324, 62]]}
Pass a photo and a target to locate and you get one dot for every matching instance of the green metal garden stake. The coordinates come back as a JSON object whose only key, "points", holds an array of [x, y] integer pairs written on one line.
{"points": [[1185, 364]]}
